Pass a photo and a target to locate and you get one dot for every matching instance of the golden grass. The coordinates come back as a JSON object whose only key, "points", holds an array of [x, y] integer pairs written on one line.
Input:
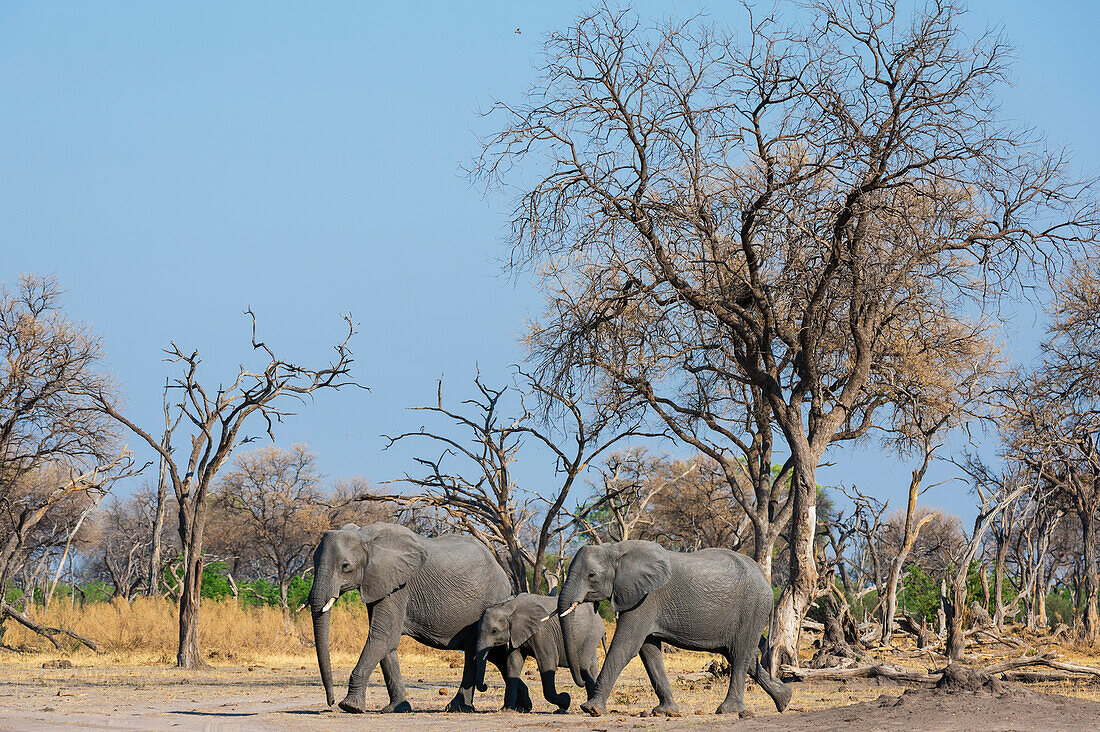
{"points": [[144, 632]]}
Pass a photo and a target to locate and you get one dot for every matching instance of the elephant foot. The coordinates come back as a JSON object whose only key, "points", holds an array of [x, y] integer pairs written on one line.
{"points": [[354, 702], [562, 700], [782, 697], [670, 709], [593, 708], [745, 714], [459, 705], [562, 710], [401, 707], [730, 708]]}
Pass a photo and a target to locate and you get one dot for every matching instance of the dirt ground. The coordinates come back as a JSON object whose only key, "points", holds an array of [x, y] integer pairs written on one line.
{"points": [[286, 694]]}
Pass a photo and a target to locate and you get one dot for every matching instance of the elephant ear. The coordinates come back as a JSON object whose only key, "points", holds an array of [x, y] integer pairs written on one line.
{"points": [[642, 568], [393, 557], [524, 622]]}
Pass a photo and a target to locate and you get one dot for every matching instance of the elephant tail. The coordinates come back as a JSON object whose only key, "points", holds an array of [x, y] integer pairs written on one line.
{"points": [[765, 642]]}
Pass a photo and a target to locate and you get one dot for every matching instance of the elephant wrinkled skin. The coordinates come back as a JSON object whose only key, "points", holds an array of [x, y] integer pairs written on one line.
{"points": [[431, 589], [711, 600], [528, 625]]}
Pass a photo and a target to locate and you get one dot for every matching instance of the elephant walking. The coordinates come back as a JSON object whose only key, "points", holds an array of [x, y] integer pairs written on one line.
{"points": [[527, 625], [711, 600], [433, 590]]}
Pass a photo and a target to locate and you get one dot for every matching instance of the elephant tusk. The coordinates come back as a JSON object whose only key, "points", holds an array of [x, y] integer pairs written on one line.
{"points": [[328, 605], [555, 612], [570, 609]]}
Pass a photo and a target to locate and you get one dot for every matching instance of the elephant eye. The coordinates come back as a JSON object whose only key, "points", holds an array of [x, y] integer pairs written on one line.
{"points": [[345, 567], [591, 575]]}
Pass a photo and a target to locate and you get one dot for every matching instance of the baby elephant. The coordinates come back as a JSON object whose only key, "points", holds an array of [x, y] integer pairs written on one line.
{"points": [[528, 625]]}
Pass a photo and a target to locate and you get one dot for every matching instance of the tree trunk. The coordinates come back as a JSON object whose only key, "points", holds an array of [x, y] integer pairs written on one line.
{"points": [[999, 581], [1091, 582], [192, 524], [908, 540], [1041, 588], [954, 606], [187, 655], [762, 550], [799, 593], [983, 575]]}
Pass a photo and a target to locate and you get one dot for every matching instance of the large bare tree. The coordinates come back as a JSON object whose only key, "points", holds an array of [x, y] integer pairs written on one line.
{"points": [[1054, 417], [57, 454], [214, 417], [795, 191]]}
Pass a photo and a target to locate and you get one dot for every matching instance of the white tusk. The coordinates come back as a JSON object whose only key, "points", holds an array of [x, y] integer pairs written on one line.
{"points": [[549, 616], [570, 609], [328, 605]]}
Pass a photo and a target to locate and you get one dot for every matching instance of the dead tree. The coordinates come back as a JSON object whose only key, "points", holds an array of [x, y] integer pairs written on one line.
{"points": [[996, 493], [216, 417], [1054, 418], [805, 195], [482, 498]]}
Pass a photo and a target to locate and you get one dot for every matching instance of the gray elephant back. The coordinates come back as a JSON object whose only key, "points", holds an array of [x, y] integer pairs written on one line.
{"points": [[462, 559]]}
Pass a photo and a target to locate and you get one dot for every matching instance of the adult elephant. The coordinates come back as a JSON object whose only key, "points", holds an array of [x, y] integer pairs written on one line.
{"points": [[434, 590], [711, 600]]}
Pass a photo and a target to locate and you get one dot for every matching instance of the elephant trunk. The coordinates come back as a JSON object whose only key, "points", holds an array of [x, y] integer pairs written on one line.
{"points": [[572, 632], [320, 603], [481, 657]]}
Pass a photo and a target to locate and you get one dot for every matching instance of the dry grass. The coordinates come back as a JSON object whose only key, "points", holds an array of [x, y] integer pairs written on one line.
{"points": [[144, 632]]}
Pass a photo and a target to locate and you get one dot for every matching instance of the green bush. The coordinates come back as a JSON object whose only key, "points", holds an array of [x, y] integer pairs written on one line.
{"points": [[1060, 607]]}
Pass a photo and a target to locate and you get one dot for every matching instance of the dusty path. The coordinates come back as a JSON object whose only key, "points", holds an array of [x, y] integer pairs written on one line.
{"points": [[256, 698]]}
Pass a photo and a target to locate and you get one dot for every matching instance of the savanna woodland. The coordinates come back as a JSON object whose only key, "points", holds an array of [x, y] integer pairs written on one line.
{"points": [[756, 249]]}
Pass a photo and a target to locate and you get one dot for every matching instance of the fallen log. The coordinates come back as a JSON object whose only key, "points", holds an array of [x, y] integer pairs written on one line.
{"points": [[45, 631], [886, 671], [898, 673], [1044, 659], [1040, 677]]}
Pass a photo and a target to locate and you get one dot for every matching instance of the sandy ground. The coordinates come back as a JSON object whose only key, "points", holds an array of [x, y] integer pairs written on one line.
{"points": [[290, 697]]}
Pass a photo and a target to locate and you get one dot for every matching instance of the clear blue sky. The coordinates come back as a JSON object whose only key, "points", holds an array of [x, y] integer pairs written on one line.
{"points": [[174, 163]]}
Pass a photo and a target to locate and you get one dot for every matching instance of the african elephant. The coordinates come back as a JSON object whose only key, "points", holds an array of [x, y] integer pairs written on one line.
{"points": [[527, 625], [710, 600], [433, 590]]}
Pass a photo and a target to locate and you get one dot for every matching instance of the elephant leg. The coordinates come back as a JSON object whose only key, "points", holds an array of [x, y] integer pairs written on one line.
{"points": [[776, 689], [630, 632], [395, 686], [547, 668], [735, 697], [463, 700], [387, 618], [516, 695], [589, 675], [653, 659]]}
